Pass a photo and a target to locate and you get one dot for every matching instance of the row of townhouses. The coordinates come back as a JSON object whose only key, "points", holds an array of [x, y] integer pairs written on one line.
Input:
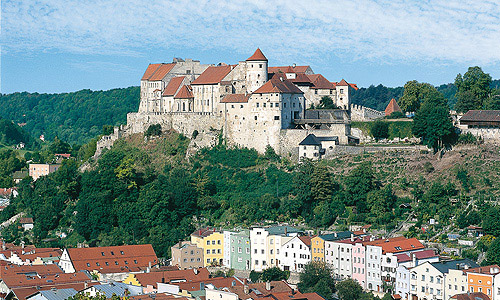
{"points": [[397, 265]]}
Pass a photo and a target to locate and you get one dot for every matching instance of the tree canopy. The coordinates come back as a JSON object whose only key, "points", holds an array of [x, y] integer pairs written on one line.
{"points": [[473, 88]]}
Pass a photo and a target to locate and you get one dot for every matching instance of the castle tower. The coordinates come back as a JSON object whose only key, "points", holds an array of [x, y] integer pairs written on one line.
{"points": [[256, 74]]}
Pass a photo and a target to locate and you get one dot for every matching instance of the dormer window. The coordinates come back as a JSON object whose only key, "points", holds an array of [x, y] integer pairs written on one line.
{"points": [[112, 253], [102, 253]]}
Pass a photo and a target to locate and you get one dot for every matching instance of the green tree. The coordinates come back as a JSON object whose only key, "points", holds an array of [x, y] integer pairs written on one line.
{"points": [[490, 221], [59, 146], [274, 274], [380, 130], [472, 89], [493, 254], [255, 276], [349, 290], [317, 278], [326, 102], [415, 94], [433, 124]]}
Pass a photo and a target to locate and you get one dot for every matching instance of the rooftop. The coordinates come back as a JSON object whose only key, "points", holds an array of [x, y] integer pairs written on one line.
{"points": [[257, 56]]}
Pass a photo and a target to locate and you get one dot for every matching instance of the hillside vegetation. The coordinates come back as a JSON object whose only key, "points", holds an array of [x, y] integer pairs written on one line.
{"points": [[74, 117], [147, 191]]}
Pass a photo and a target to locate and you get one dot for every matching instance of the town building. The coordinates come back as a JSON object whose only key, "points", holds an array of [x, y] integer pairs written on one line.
{"points": [[186, 255], [38, 170], [114, 262], [237, 249], [212, 243], [484, 124], [482, 279], [427, 281], [295, 254]]}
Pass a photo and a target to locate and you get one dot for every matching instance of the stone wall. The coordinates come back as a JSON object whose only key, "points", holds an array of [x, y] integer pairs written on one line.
{"points": [[489, 135], [362, 113]]}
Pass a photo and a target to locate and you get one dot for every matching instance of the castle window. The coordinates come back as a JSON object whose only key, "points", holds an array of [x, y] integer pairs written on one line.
{"points": [[276, 117], [241, 106], [260, 66], [284, 105], [341, 91], [255, 118], [232, 106], [258, 76], [188, 71], [257, 104], [316, 92], [264, 104], [331, 92]]}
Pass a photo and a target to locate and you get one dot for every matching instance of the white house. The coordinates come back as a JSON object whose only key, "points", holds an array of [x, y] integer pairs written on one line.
{"points": [[295, 254]]}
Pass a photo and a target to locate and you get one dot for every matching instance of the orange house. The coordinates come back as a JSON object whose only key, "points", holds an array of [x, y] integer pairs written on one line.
{"points": [[481, 279]]}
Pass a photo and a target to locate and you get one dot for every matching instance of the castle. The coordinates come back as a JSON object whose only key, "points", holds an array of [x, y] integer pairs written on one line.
{"points": [[253, 104]]}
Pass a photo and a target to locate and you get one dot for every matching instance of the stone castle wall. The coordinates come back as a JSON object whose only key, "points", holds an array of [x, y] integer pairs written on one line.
{"points": [[362, 113]]}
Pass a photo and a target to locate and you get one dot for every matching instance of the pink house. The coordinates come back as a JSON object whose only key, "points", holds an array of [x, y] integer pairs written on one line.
{"points": [[358, 263]]}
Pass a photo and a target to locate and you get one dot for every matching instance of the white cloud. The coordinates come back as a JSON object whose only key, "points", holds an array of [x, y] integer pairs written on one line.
{"points": [[386, 31]]}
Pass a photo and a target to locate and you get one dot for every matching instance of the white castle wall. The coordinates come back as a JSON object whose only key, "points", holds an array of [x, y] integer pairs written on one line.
{"points": [[362, 113]]}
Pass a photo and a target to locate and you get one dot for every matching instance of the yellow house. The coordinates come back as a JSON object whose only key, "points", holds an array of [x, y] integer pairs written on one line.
{"points": [[212, 243], [318, 249], [132, 280]]}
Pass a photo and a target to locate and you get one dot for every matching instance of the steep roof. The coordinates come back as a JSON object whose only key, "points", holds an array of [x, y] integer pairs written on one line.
{"points": [[458, 264], [278, 84], [33, 281], [257, 56], [286, 69], [279, 230], [203, 232], [481, 116], [260, 289], [161, 71], [235, 98], [392, 107], [15, 270], [173, 86], [213, 75], [336, 236], [218, 282], [150, 71], [184, 93], [306, 239], [320, 82], [113, 259], [188, 275], [343, 83], [310, 140]]}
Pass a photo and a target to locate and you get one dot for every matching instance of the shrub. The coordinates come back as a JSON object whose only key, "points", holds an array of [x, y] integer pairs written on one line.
{"points": [[153, 130], [467, 138], [380, 130], [195, 134], [396, 115]]}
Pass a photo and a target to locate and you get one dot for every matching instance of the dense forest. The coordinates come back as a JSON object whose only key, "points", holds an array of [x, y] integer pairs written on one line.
{"points": [[12, 135], [377, 97], [74, 117]]}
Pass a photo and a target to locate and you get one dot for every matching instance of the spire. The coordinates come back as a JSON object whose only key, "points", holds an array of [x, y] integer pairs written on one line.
{"points": [[258, 56]]}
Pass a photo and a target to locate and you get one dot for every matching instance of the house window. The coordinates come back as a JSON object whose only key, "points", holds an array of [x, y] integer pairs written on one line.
{"points": [[135, 261], [97, 264], [276, 118], [121, 252], [112, 253], [88, 265], [107, 264], [102, 253], [126, 262], [116, 263], [316, 92], [255, 118]]}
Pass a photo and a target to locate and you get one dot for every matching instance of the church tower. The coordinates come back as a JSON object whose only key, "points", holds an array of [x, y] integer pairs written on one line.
{"points": [[256, 74]]}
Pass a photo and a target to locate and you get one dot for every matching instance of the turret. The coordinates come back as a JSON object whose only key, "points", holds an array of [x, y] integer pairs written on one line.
{"points": [[256, 71]]}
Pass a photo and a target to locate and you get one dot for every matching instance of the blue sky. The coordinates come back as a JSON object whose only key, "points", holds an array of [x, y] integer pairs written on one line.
{"points": [[60, 46]]}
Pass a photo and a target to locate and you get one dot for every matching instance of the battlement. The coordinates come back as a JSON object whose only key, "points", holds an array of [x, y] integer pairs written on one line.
{"points": [[363, 113]]}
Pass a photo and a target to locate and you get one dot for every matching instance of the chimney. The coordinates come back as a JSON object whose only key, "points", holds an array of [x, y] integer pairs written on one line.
{"points": [[163, 280], [286, 228], [233, 283], [202, 286], [414, 259], [3, 245], [245, 289], [180, 244], [85, 285], [268, 285], [352, 237], [195, 271]]}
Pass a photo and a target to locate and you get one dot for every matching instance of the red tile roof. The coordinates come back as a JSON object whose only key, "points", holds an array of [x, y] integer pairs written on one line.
{"points": [[398, 245], [34, 281], [203, 232], [235, 98], [278, 84], [286, 69], [219, 282], [257, 56], [213, 75], [343, 83], [188, 275], [6, 191], [320, 82], [161, 72], [487, 270], [149, 71], [354, 86], [26, 220], [184, 93], [392, 107], [173, 86], [16, 270], [471, 296], [306, 239], [127, 258]]}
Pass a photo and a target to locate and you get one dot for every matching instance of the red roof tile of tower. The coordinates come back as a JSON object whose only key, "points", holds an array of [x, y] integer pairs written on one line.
{"points": [[257, 56], [162, 71], [213, 75], [173, 86], [127, 258], [392, 107], [343, 83], [278, 84], [184, 93]]}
